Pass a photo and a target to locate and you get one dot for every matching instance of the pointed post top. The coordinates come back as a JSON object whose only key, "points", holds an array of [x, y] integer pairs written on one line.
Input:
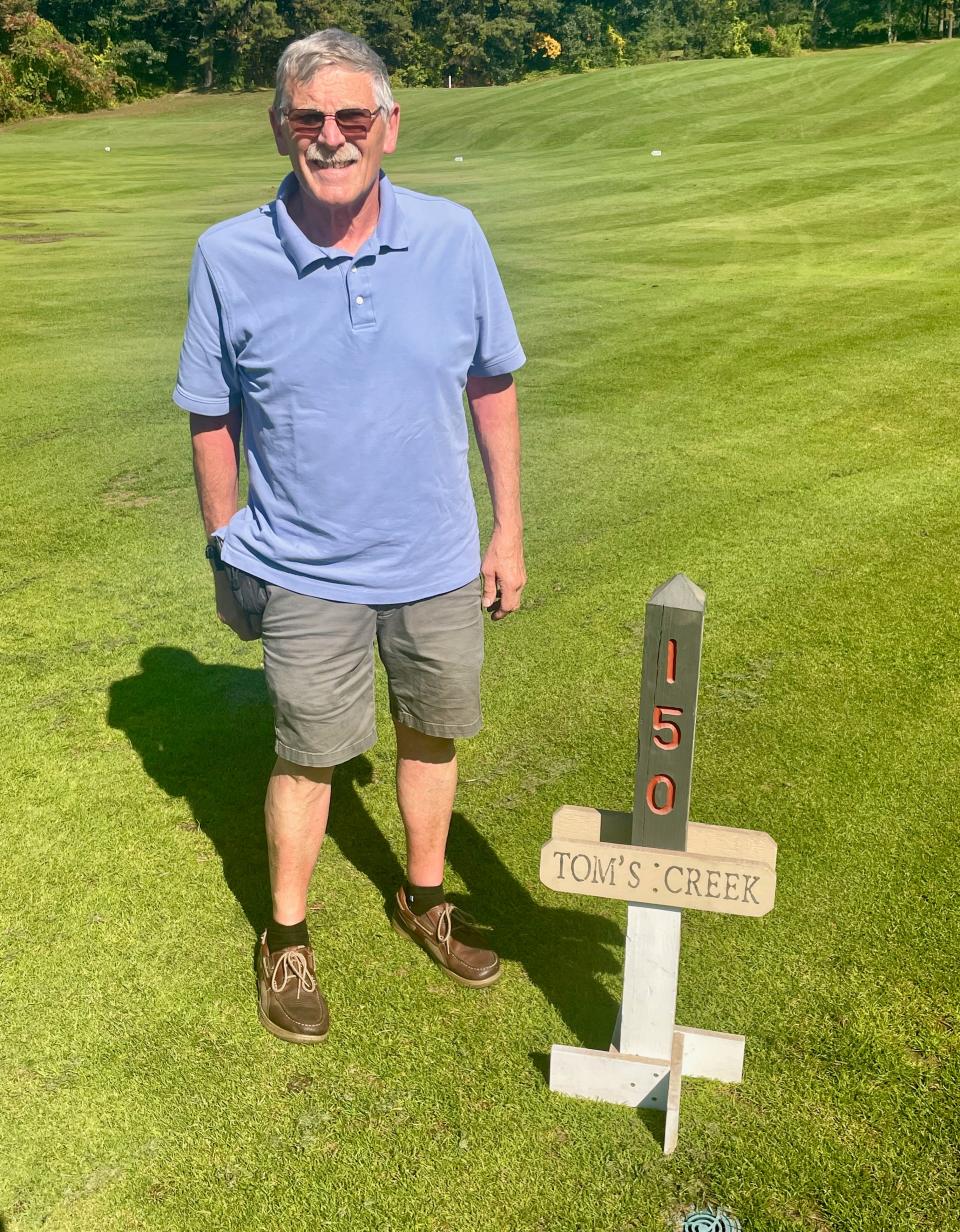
{"points": [[680, 592]]}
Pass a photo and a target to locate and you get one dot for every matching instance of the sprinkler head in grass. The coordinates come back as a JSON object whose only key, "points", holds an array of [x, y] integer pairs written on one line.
{"points": [[711, 1220]]}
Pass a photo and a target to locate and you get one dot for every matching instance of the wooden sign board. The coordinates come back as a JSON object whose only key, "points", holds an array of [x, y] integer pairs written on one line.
{"points": [[658, 877]]}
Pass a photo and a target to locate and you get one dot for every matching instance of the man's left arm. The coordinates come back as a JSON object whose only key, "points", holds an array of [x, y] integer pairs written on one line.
{"points": [[493, 407]]}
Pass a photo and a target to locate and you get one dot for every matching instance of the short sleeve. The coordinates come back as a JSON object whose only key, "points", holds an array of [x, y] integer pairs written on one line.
{"points": [[207, 380], [498, 349]]}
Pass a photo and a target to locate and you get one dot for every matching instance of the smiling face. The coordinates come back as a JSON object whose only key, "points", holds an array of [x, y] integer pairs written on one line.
{"points": [[336, 176]]}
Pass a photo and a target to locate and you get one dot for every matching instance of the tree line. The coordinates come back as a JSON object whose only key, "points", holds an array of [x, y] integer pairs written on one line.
{"points": [[75, 55]]}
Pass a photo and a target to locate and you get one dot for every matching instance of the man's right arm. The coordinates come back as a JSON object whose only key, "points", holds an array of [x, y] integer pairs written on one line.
{"points": [[216, 468]]}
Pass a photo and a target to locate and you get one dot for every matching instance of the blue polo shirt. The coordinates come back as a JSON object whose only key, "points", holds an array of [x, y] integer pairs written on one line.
{"points": [[350, 372]]}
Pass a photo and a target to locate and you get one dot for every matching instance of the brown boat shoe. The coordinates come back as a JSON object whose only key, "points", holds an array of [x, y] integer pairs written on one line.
{"points": [[291, 1006], [444, 932]]}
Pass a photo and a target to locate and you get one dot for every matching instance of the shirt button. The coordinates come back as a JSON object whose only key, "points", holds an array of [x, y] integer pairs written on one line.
{"points": [[359, 299]]}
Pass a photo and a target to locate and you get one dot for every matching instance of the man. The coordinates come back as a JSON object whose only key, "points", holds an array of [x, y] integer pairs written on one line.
{"points": [[340, 325]]}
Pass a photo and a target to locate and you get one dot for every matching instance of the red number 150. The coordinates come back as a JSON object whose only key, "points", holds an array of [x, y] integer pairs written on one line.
{"points": [[666, 735]]}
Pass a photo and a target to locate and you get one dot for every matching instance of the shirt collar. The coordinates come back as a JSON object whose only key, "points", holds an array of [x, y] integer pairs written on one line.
{"points": [[390, 233]]}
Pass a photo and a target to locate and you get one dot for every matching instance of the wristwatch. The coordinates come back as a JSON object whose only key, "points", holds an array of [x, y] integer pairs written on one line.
{"points": [[212, 553]]}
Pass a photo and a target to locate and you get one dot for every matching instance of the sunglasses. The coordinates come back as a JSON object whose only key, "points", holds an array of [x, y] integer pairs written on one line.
{"points": [[352, 121]]}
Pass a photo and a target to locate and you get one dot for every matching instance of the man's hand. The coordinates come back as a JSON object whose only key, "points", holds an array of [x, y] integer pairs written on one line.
{"points": [[504, 575], [229, 610]]}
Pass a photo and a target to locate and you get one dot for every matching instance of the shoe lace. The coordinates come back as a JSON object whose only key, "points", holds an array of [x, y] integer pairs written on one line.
{"points": [[292, 965], [450, 918]]}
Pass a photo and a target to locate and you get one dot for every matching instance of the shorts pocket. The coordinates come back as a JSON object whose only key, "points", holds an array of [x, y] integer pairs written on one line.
{"points": [[250, 593]]}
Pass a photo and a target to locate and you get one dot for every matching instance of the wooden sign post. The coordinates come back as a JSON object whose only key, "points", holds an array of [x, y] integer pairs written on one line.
{"points": [[659, 862]]}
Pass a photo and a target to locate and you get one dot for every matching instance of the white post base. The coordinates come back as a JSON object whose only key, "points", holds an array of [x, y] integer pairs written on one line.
{"points": [[645, 1082], [637, 1082], [712, 1054], [707, 1054], [588, 1073]]}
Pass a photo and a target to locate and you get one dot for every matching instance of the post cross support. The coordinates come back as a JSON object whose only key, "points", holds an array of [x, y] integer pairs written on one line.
{"points": [[659, 862]]}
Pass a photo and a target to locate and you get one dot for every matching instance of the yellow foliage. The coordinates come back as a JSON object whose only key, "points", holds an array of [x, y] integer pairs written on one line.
{"points": [[617, 42], [547, 44]]}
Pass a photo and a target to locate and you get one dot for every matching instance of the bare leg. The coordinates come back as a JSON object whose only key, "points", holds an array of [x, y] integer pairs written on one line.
{"points": [[296, 809], [426, 786]]}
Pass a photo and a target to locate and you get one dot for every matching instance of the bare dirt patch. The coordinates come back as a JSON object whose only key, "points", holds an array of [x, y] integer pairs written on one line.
{"points": [[24, 237], [122, 493], [13, 213]]}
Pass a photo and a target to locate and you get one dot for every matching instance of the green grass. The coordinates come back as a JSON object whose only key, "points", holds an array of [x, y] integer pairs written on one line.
{"points": [[743, 364]]}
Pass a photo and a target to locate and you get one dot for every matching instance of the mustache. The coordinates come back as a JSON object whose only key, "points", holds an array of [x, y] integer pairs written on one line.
{"points": [[341, 157]]}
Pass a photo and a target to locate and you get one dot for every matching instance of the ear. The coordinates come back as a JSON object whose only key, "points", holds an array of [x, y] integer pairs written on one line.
{"points": [[393, 130], [276, 123]]}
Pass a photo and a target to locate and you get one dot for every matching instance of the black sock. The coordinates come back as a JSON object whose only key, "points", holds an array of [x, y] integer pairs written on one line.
{"points": [[279, 936], [422, 898]]}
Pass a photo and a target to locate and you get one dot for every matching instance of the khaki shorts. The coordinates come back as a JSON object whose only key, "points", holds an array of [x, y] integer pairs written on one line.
{"points": [[318, 661]]}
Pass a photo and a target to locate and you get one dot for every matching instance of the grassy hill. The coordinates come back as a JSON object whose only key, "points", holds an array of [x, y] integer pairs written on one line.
{"points": [[742, 365]]}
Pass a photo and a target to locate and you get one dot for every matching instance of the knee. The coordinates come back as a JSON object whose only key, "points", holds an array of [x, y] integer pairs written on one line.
{"points": [[419, 746], [305, 776]]}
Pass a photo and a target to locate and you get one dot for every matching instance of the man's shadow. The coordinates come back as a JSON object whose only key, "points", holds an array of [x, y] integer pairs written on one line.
{"points": [[205, 734]]}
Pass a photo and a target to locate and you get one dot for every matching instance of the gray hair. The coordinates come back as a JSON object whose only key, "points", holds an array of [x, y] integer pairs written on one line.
{"points": [[332, 48]]}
